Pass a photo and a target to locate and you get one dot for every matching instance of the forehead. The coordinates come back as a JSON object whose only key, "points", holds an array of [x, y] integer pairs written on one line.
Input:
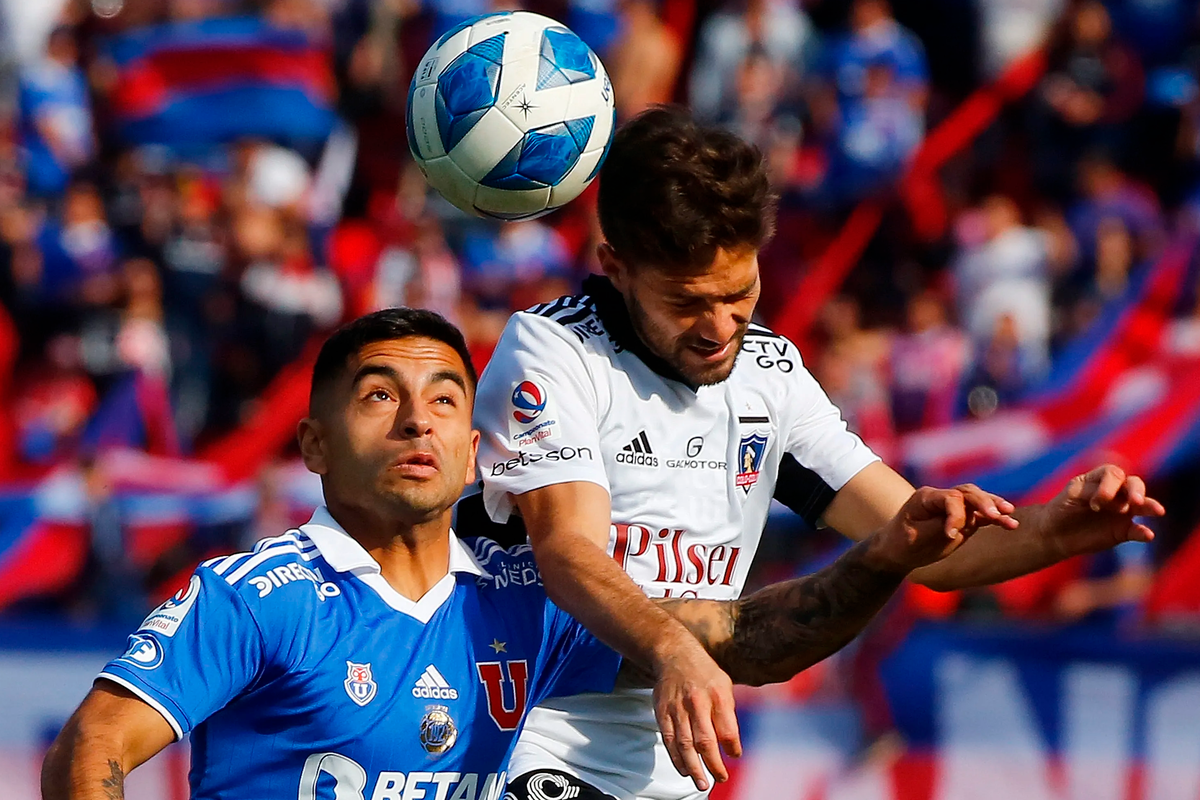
{"points": [[412, 356], [731, 271]]}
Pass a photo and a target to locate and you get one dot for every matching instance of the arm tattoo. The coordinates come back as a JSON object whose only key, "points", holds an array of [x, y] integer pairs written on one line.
{"points": [[114, 785], [782, 630], [786, 628]]}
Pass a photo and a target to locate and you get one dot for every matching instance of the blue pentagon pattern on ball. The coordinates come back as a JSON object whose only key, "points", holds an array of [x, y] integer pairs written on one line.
{"points": [[564, 59], [543, 157], [467, 89]]}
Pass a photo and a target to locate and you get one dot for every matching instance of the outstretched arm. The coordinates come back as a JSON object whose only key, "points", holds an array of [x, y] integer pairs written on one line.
{"points": [[110, 733], [779, 631], [1095, 511]]}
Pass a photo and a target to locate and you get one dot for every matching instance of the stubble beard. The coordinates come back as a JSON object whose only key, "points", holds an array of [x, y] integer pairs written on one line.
{"points": [[672, 352]]}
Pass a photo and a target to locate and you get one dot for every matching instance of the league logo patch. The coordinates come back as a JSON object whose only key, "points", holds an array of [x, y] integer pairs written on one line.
{"points": [[438, 732], [750, 456], [166, 618], [144, 651], [359, 684], [529, 399]]}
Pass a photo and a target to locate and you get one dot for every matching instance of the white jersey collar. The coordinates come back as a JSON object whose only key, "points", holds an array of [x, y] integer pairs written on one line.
{"points": [[344, 554]]}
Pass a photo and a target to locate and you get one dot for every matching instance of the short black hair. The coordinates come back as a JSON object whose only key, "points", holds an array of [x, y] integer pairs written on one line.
{"points": [[379, 326], [672, 192]]}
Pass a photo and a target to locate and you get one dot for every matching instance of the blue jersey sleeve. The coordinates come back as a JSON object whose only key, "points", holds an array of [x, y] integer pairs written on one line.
{"points": [[572, 661], [193, 654]]}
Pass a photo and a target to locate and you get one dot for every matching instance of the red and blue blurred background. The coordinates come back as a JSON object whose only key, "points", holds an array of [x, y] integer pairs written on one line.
{"points": [[987, 249]]}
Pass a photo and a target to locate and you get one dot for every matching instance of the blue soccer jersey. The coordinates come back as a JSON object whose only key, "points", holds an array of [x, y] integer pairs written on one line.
{"points": [[300, 673]]}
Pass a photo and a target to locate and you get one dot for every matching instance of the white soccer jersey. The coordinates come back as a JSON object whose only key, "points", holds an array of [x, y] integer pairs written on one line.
{"points": [[571, 394]]}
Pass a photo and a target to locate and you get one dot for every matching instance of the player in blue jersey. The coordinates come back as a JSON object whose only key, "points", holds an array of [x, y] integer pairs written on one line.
{"points": [[371, 653]]}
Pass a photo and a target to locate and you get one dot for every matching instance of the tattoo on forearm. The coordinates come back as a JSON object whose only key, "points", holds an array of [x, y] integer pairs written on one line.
{"points": [[788, 627], [114, 785], [783, 629]]}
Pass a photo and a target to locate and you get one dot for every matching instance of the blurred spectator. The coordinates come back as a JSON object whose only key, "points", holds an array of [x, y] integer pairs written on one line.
{"points": [[876, 134], [760, 112], [1093, 87], [53, 402], [1003, 271], [852, 371], [497, 262], [294, 297], [56, 119], [775, 33], [645, 60], [874, 38], [1109, 193], [926, 365], [1012, 28]]}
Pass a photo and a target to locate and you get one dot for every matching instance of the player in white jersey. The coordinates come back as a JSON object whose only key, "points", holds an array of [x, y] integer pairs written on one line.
{"points": [[645, 426]]}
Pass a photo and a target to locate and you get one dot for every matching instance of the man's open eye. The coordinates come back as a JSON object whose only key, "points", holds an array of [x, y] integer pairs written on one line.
{"points": [[379, 394], [446, 399]]}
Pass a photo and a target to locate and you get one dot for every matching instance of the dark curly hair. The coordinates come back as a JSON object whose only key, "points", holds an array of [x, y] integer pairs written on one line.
{"points": [[673, 192]]}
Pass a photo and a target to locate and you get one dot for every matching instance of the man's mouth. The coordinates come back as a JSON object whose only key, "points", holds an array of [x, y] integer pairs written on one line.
{"points": [[419, 464], [711, 352]]}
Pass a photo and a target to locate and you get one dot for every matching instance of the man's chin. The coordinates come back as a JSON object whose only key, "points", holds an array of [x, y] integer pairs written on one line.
{"points": [[701, 373]]}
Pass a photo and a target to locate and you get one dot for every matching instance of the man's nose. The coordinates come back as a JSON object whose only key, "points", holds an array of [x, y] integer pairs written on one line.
{"points": [[413, 421], [719, 325]]}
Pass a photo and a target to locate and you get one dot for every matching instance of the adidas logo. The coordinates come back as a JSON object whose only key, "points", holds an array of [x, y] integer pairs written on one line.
{"points": [[431, 685], [638, 452]]}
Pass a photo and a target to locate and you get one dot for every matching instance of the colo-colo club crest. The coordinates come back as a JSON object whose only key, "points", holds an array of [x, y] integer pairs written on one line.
{"points": [[359, 684], [750, 457]]}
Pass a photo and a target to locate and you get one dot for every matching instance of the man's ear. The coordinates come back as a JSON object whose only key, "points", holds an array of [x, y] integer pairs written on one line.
{"points": [[471, 456], [309, 434], [613, 266]]}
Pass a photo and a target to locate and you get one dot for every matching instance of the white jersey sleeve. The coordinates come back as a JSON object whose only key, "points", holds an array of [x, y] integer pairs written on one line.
{"points": [[816, 440], [537, 411]]}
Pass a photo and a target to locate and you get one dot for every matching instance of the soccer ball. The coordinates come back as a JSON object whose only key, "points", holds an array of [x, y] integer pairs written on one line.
{"points": [[510, 115]]}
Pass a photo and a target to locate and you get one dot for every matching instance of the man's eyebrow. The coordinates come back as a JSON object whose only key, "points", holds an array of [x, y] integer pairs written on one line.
{"points": [[367, 370], [450, 375]]}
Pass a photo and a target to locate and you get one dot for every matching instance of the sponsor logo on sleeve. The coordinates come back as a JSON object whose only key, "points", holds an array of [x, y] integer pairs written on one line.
{"points": [[165, 619], [529, 401], [528, 424]]}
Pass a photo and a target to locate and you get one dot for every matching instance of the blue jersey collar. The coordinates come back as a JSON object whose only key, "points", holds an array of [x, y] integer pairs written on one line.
{"points": [[344, 554]]}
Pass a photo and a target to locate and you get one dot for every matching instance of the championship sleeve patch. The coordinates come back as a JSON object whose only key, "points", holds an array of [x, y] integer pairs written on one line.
{"points": [[165, 619], [531, 419]]}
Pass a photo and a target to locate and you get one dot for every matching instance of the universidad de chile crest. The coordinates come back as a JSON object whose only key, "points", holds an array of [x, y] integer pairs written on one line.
{"points": [[750, 457], [359, 684]]}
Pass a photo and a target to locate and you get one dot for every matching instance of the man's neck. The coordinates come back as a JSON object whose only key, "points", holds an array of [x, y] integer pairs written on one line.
{"points": [[412, 557]]}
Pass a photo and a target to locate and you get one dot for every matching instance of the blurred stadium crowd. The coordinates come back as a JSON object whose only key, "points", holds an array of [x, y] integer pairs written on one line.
{"points": [[989, 211]]}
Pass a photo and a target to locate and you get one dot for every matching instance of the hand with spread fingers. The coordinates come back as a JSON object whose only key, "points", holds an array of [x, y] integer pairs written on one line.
{"points": [[1096, 511]]}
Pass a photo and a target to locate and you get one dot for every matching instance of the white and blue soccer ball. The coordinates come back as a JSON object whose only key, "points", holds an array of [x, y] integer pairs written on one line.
{"points": [[510, 115]]}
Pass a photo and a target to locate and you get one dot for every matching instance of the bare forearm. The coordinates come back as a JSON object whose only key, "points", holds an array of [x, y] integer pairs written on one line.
{"points": [[784, 629], [590, 586], [993, 555], [83, 765]]}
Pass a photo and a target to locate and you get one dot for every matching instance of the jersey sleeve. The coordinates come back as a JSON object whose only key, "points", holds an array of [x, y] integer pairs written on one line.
{"points": [[572, 660], [193, 654], [537, 413], [821, 454]]}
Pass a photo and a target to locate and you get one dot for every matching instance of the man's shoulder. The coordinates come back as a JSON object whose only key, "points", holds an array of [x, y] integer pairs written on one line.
{"points": [[277, 576], [506, 569], [569, 317]]}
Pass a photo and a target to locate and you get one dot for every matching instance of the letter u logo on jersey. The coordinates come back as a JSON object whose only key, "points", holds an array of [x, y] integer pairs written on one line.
{"points": [[359, 684], [491, 675]]}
